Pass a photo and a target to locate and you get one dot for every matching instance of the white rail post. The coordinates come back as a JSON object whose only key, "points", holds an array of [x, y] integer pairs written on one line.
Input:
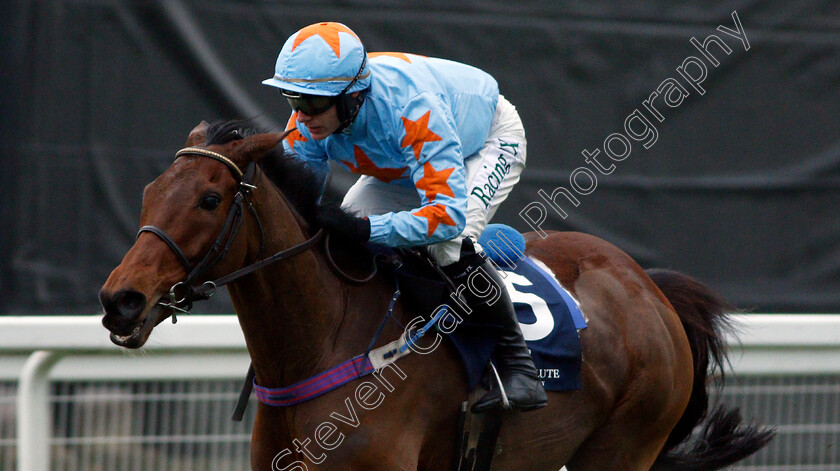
{"points": [[34, 423]]}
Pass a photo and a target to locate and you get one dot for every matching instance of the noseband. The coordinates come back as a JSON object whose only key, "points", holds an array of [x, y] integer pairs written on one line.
{"points": [[184, 293]]}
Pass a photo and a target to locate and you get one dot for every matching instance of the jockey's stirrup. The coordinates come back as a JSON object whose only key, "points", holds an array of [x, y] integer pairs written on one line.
{"points": [[518, 375]]}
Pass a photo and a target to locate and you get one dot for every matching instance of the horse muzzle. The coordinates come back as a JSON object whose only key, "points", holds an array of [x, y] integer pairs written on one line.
{"points": [[129, 317]]}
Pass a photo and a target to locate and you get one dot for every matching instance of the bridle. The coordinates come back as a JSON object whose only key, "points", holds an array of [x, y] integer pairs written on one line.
{"points": [[183, 293]]}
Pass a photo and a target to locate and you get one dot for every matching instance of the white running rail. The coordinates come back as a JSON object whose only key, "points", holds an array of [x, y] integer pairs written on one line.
{"points": [[38, 350]]}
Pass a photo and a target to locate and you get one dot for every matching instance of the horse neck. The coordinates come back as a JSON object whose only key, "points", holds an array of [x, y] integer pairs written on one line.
{"points": [[288, 310]]}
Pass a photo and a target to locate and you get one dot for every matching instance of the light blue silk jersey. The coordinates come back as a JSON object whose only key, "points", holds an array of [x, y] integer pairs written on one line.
{"points": [[420, 119]]}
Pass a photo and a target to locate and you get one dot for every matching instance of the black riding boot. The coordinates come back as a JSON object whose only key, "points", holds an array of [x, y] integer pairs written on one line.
{"points": [[513, 360]]}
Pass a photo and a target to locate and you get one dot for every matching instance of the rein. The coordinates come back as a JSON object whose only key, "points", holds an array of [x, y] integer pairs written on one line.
{"points": [[183, 294]]}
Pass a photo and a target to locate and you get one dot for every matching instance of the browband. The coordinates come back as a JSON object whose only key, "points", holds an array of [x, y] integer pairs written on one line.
{"points": [[213, 155]]}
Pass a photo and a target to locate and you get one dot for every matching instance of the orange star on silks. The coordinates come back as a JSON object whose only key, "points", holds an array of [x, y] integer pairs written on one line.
{"points": [[398, 55], [367, 167], [327, 31], [434, 181], [417, 133], [435, 214], [295, 135]]}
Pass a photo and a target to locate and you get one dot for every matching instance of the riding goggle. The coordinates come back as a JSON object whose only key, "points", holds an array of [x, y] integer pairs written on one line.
{"points": [[317, 104], [308, 104]]}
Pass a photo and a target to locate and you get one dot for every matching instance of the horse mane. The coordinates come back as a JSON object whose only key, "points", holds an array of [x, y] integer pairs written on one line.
{"points": [[294, 177]]}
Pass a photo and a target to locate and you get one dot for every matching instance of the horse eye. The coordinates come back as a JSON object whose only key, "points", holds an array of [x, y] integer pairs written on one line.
{"points": [[210, 201]]}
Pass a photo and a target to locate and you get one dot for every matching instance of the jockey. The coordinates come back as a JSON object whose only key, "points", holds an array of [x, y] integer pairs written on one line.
{"points": [[438, 150]]}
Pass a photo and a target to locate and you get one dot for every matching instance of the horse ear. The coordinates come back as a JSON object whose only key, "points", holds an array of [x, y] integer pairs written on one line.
{"points": [[198, 134], [254, 147]]}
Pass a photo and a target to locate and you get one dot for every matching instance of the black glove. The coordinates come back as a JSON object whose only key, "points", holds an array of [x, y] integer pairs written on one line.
{"points": [[332, 218]]}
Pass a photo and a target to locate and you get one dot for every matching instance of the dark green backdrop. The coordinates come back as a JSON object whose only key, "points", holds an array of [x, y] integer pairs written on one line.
{"points": [[740, 188]]}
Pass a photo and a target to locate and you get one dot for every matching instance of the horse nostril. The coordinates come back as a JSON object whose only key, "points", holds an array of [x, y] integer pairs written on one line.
{"points": [[130, 303], [122, 306]]}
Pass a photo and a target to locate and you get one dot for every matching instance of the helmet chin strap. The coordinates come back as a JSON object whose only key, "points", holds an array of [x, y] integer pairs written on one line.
{"points": [[348, 106]]}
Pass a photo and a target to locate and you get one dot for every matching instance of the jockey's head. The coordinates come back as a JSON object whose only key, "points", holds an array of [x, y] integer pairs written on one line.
{"points": [[322, 65]]}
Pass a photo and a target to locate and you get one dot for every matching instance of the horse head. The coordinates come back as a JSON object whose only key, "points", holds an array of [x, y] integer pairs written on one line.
{"points": [[190, 220]]}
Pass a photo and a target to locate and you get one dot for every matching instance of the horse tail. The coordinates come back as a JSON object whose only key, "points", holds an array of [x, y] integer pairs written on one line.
{"points": [[721, 439]]}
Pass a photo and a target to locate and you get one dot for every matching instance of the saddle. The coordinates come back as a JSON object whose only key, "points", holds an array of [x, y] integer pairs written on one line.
{"points": [[549, 315], [424, 286]]}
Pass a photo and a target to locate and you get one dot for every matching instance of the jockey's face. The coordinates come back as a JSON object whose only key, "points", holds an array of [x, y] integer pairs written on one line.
{"points": [[322, 124]]}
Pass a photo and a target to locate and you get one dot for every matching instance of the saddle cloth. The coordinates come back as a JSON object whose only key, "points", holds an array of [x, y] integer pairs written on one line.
{"points": [[548, 314], [549, 317]]}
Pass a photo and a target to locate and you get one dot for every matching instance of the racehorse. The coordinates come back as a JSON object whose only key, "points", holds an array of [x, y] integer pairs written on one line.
{"points": [[651, 343]]}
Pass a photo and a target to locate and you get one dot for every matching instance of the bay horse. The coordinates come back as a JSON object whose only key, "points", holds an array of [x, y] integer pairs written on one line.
{"points": [[651, 343]]}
